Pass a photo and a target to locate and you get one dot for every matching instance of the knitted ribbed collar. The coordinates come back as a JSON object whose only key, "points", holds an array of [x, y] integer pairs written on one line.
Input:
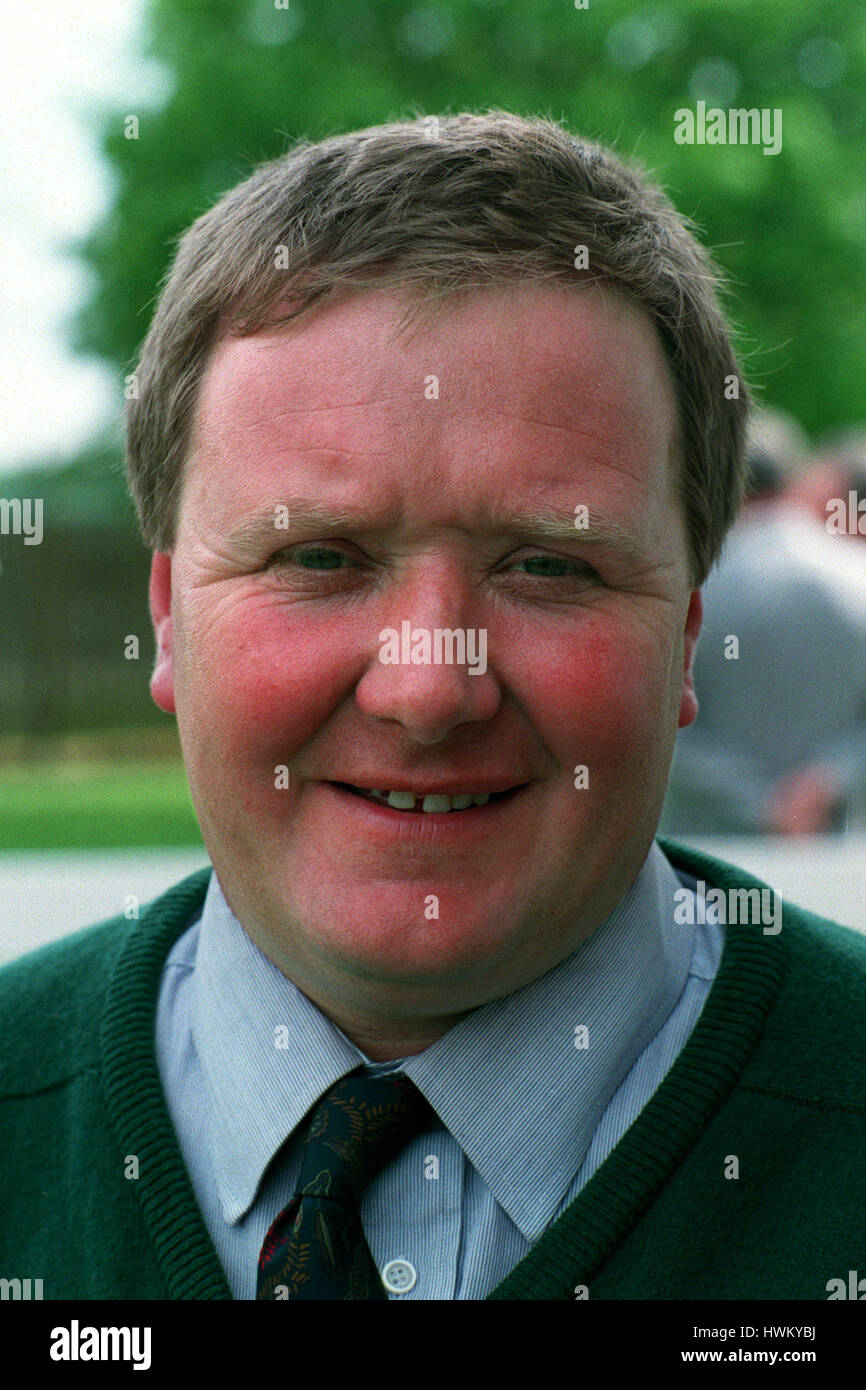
{"points": [[623, 1187]]}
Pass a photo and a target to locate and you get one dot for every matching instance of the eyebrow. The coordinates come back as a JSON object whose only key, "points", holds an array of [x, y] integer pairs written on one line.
{"points": [[540, 523], [250, 531], [549, 523]]}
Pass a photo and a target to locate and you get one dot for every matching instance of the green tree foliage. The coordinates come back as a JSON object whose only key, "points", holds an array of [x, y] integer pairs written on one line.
{"points": [[246, 77]]}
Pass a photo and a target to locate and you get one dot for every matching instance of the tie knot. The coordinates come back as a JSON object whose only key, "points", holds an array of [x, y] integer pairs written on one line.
{"points": [[355, 1129]]}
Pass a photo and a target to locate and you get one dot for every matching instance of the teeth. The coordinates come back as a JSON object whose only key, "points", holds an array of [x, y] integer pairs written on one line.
{"points": [[401, 801], [434, 802]]}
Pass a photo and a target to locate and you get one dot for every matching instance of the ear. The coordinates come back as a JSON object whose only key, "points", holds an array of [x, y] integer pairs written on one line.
{"points": [[689, 700], [162, 680]]}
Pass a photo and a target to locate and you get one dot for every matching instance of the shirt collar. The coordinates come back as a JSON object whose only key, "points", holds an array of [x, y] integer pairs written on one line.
{"points": [[268, 1053]]}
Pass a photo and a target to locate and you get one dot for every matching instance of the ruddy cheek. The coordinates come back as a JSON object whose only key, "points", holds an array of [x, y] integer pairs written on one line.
{"points": [[269, 686], [598, 711]]}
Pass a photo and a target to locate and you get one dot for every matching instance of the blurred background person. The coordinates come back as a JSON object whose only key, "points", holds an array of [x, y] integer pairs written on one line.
{"points": [[836, 474], [779, 745]]}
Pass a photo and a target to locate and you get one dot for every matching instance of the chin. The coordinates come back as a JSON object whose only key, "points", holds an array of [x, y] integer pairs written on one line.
{"points": [[383, 943]]}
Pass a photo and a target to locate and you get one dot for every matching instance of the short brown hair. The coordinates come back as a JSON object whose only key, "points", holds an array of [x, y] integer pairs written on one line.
{"points": [[441, 204]]}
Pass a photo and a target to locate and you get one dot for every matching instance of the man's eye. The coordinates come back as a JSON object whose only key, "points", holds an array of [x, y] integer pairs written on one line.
{"points": [[317, 557], [558, 567], [325, 558]]}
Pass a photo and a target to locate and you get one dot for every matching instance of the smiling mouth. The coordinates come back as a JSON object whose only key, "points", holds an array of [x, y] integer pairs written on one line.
{"points": [[431, 804]]}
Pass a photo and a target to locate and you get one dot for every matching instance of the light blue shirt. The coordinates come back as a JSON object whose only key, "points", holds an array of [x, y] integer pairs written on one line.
{"points": [[527, 1104]]}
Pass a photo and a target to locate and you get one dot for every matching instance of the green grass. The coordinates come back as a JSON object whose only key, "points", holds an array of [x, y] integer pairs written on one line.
{"points": [[82, 805]]}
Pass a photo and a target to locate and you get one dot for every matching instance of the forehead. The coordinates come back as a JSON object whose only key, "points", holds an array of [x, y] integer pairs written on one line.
{"points": [[523, 381]]}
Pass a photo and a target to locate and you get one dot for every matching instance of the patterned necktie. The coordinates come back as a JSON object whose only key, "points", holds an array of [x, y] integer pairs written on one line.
{"points": [[316, 1246]]}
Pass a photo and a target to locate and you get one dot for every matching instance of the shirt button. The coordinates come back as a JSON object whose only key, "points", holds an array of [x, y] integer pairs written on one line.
{"points": [[399, 1276]]}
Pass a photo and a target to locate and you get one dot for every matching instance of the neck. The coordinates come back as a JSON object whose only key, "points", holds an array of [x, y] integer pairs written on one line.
{"points": [[389, 1040]]}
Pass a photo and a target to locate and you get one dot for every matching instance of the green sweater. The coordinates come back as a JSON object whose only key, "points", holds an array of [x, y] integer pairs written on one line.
{"points": [[773, 1075]]}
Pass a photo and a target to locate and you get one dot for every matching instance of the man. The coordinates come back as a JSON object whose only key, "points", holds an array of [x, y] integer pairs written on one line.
{"points": [[445, 1021]]}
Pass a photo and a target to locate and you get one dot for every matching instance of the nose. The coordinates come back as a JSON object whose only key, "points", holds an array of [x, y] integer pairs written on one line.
{"points": [[430, 669]]}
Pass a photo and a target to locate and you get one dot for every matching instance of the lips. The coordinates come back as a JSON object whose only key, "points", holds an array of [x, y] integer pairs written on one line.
{"points": [[426, 801], [460, 784]]}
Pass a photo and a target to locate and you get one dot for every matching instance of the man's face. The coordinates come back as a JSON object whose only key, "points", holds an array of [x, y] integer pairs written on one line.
{"points": [[410, 469]]}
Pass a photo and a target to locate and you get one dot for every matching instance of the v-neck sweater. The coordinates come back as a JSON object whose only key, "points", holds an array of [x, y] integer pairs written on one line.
{"points": [[744, 1176]]}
